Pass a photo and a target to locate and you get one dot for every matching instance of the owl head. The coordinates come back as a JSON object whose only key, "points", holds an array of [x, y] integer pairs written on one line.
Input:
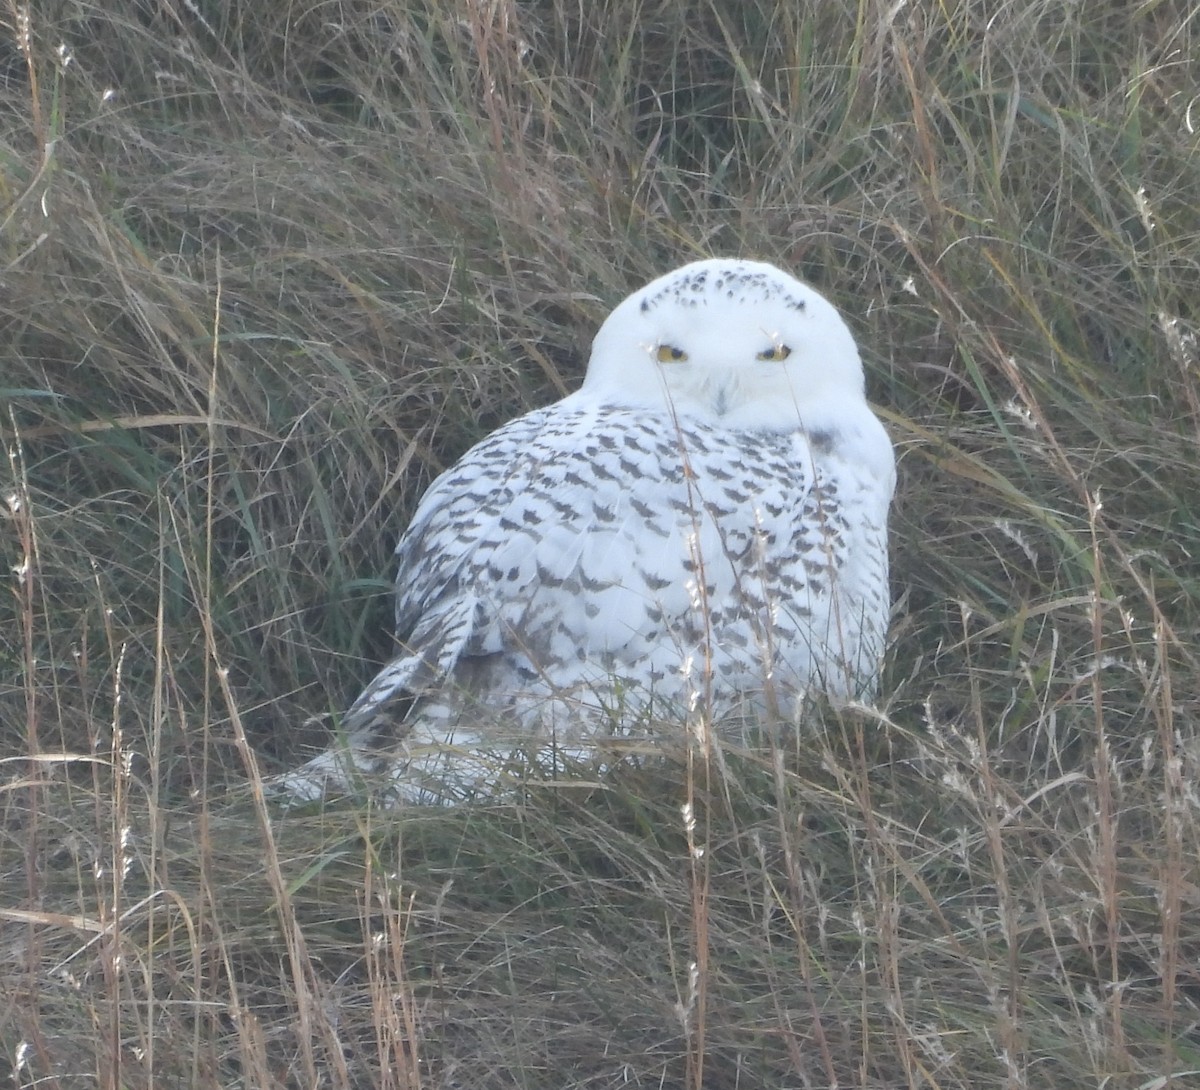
{"points": [[736, 343]]}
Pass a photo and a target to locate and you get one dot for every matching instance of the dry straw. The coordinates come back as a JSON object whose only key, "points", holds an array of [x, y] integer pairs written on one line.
{"points": [[266, 268]]}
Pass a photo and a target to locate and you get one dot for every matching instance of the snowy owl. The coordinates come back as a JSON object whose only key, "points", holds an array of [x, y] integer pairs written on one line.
{"points": [[699, 531]]}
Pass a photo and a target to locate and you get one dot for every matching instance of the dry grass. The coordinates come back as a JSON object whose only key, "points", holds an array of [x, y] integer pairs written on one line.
{"points": [[265, 268]]}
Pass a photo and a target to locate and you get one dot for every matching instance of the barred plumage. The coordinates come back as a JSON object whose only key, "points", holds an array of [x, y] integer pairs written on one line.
{"points": [[700, 529]]}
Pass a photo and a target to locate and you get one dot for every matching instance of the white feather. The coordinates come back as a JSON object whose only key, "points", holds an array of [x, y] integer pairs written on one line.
{"points": [[708, 530]]}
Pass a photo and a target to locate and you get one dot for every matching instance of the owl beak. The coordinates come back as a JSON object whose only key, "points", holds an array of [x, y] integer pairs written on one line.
{"points": [[723, 396]]}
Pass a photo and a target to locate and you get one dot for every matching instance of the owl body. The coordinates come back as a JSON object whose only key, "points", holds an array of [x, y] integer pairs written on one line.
{"points": [[699, 531]]}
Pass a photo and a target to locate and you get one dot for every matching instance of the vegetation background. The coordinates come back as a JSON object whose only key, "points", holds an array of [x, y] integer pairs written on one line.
{"points": [[266, 268]]}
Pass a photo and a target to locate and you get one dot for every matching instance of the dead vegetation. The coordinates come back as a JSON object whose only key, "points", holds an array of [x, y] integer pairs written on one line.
{"points": [[266, 268]]}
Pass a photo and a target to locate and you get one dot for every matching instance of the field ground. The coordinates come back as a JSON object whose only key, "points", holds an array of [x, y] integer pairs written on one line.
{"points": [[265, 269]]}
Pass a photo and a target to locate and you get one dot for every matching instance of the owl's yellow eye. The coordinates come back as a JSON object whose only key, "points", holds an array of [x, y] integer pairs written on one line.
{"points": [[668, 353], [777, 354]]}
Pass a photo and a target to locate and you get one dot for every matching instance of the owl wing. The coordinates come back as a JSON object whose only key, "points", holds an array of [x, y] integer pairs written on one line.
{"points": [[546, 536]]}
